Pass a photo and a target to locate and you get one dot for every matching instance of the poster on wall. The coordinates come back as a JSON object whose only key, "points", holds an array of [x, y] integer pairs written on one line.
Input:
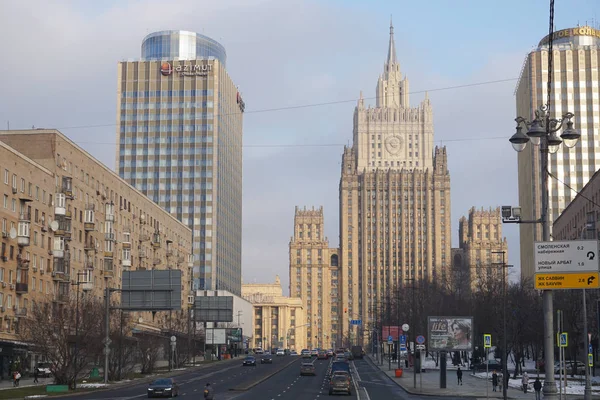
{"points": [[450, 333]]}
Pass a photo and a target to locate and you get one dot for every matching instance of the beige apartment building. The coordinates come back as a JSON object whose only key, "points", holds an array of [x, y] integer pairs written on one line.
{"points": [[580, 219], [279, 321], [67, 218], [576, 89], [314, 278], [478, 257], [395, 220]]}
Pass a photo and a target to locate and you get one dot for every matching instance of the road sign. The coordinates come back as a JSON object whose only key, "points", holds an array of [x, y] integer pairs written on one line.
{"points": [[355, 322], [590, 360], [582, 280], [563, 339], [420, 347], [566, 256], [487, 340], [590, 349], [420, 339], [405, 327], [390, 339], [403, 340]]}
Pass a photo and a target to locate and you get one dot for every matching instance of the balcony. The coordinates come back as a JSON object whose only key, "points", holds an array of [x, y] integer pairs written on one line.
{"points": [[156, 240], [110, 236], [60, 207], [144, 238], [22, 263], [68, 214], [67, 186], [21, 312], [86, 286], [169, 253], [58, 250], [156, 261], [108, 255], [89, 265], [89, 223], [61, 298], [126, 263], [21, 288], [109, 270], [23, 231], [89, 244]]}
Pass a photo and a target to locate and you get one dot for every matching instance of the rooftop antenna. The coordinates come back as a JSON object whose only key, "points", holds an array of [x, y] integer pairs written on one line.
{"points": [[8, 125]]}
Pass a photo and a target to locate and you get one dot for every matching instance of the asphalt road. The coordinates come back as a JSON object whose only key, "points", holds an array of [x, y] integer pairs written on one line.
{"points": [[375, 384], [288, 384], [222, 376]]}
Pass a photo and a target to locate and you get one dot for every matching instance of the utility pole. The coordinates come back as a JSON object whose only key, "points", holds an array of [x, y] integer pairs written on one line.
{"points": [[504, 334], [107, 329]]}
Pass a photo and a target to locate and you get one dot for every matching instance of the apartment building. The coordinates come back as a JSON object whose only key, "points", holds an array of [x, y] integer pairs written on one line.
{"points": [[67, 219]]}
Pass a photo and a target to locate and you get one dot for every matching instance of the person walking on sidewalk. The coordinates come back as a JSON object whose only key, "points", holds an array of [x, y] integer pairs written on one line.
{"points": [[35, 375], [525, 381], [494, 381], [459, 376], [537, 386]]}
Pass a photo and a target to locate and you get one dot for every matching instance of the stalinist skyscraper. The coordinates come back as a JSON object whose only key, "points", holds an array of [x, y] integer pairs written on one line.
{"points": [[394, 200]]}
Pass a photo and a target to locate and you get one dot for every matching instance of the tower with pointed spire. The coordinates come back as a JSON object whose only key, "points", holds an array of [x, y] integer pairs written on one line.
{"points": [[394, 201]]}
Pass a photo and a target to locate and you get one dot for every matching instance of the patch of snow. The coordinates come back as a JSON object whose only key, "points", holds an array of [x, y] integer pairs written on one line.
{"points": [[92, 385], [36, 396]]}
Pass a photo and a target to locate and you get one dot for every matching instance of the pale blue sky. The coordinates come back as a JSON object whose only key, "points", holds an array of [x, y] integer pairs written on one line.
{"points": [[59, 71]]}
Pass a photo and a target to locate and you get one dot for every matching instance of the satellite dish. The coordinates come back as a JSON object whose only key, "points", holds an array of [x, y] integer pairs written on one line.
{"points": [[142, 217], [13, 233], [54, 226]]}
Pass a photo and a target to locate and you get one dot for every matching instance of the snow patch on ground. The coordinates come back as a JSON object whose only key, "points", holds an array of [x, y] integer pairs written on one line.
{"points": [[92, 385]]}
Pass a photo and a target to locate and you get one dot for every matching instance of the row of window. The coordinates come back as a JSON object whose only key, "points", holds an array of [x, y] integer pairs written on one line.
{"points": [[165, 117], [166, 105], [146, 140], [170, 153], [169, 93], [166, 128]]}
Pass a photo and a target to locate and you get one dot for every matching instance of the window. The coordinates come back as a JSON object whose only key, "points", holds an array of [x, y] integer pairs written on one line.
{"points": [[5, 201], [14, 181], [6, 173], [22, 185]]}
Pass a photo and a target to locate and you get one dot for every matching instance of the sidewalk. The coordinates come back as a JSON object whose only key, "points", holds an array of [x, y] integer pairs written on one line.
{"points": [[28, 381], [428, 383]]}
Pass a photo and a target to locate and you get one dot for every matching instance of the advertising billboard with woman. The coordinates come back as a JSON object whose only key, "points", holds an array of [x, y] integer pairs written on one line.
{"points": [[450, 333]]}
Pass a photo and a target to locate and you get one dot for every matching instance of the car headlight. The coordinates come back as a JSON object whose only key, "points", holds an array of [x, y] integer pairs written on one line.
{"points": [[150, 390], [168, 388]]}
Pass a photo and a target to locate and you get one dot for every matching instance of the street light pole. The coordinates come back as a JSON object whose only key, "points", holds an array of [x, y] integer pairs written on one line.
{"points": [[504, 334]]}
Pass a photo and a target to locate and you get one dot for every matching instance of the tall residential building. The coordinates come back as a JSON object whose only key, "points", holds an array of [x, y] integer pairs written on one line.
{"points": [[279, 321], [67, 218], [575, 89], [314, 277], [179, 138], [478, 257], [394, 198]]}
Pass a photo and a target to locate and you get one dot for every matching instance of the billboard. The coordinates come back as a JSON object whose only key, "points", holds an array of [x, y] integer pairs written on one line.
{"points": [[155, 290], [394, 331], [213, 308], [216, 336], [450, 333]]}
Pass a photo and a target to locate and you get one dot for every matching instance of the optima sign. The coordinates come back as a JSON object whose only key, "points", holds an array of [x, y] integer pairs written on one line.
{"points": [[186, 70]]}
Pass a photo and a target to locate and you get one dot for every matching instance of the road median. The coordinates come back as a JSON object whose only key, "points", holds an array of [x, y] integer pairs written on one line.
{"points": [[264, 377]]}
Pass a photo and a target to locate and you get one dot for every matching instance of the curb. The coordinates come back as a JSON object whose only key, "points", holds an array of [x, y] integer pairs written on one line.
{"points": [[261, 380], [133, 382]]}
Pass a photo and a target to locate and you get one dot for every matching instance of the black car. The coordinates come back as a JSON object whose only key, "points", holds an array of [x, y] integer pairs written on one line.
{"points": [[491, 366], [249, 362], [163, 387], [266, 360]]}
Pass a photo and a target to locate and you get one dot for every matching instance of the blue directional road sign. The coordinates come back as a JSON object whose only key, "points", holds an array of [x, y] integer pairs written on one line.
{"points": [[487, 341], [590, 349], [355, 322], [403, 340], [390, 340]]}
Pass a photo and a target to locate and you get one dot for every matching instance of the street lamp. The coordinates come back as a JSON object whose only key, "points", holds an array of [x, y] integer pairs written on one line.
{"points": [[75, 355], [542, 132]]}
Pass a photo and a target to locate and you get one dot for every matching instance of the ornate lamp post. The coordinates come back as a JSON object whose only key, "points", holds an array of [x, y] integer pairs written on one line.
{"points": [[542, 132]]}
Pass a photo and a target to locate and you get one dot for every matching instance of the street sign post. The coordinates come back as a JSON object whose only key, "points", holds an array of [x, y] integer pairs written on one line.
{"points": [[390, 339], [402, 342], [582, 280], [487, 340], [420, 339], [355, 322], [590, 360]]}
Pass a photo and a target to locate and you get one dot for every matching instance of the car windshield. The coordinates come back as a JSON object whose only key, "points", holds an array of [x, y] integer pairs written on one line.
{"points": [[340, 378], [162, 382], [307, 365]]}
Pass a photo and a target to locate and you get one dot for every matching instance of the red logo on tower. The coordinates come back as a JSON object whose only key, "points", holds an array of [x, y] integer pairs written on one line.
{"points": [[166, 69]]}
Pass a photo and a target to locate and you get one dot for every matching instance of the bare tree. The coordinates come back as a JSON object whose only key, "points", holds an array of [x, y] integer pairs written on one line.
{"points": [[124, 351], [149, 346], [51, 329]]}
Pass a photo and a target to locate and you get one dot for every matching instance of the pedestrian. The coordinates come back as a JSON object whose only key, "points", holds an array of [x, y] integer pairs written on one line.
{"points": [[537, 386], [35, 375], [208, 392], [459, 376], [494, 381], [525, 381]]}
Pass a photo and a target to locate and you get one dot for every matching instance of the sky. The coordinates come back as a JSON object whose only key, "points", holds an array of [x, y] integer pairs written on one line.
{"points": [[300, 66]]}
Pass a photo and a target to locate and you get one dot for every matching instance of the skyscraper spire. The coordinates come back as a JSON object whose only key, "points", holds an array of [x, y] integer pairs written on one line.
{"points": [[391, 58]]}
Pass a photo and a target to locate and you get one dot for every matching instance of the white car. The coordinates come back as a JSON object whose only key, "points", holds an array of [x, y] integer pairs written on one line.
{"points": [[280, 352]]}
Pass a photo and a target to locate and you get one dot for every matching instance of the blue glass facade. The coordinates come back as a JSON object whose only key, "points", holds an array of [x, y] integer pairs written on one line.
{"points": [[181, 45]]}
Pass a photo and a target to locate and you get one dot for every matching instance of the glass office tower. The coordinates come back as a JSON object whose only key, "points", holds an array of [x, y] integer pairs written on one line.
{"points": [[179, 138]]}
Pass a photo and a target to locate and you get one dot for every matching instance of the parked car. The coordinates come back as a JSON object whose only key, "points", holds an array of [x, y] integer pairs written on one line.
{"points": [[314, 352], [306, 353], [43, 370], [249, 361], [280, 352], [340, 383], [268, 359], [322, 355], [308, 369], [491, 366], [293, 353], [348, 355], [163, 387], [580, 368]]}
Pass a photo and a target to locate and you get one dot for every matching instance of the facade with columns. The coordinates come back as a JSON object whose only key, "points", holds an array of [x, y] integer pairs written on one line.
{"points": [[278, 321], [395, 222]]}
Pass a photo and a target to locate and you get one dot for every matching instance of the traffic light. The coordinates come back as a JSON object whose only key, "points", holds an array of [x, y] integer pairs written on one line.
{"points": [[345, 310]]}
